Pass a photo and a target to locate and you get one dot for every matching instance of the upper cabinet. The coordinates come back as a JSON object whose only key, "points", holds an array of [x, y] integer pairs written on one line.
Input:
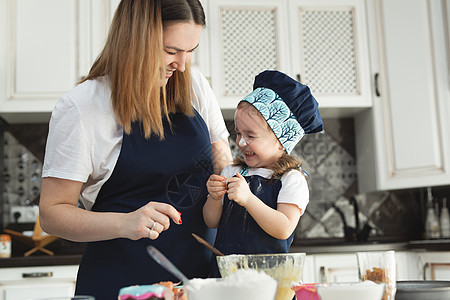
{"points": [[246, 37], [329, 52], [46, 47], [200, 57], [404, 141], [321, 43]]}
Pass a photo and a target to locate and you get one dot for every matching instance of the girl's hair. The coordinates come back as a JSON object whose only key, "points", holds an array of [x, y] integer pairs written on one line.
{"points": [[284, 163], [133, 59]]}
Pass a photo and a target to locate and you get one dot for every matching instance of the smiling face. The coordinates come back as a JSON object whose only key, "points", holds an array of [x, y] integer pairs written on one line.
{"points": [[255, 139], [179, 40]]}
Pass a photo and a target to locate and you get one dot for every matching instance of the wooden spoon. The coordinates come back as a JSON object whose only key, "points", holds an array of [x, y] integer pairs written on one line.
{"points": [[208, 245]]}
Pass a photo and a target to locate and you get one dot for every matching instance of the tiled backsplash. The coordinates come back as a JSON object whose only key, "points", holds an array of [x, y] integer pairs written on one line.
{"points": [[21, 176], [23, 153], [329, 158]]}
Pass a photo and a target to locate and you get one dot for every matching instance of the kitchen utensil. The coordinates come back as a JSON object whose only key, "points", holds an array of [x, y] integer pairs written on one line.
{"points": [[285, 268], [379, 266], [423, 289], [208, 245], [164, 262], [38, 240], [366, 290]]}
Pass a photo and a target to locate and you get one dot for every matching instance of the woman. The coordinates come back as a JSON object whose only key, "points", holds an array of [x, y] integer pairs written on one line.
{"points": [[135, 142]]}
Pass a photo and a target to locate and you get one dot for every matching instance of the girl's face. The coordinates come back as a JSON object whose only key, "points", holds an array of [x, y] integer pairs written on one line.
{"points": [[179, 41], [255, 139]]}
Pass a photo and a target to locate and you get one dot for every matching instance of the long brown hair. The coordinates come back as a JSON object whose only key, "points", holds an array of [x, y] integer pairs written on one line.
{"points": [[283, 164], [133, 58]]}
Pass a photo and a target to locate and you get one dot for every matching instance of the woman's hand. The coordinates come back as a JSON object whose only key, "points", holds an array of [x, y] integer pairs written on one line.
{"points": [[150, 220], [238, 190], [60, 216], [217, 187]]}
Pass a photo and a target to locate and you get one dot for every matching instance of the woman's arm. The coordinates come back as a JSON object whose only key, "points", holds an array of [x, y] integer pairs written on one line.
{"points": [[221, 155], [61, 216]]}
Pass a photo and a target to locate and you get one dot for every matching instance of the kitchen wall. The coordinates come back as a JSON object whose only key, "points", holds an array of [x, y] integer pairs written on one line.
{"points": [[329, 158]]}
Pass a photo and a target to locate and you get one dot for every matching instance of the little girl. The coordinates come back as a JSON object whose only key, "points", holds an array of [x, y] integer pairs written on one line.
{"points": [[257, 201]]}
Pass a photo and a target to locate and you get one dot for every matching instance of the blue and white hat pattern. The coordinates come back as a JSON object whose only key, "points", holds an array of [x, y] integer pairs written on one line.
{"points": [[278, 115], [287, 106]]}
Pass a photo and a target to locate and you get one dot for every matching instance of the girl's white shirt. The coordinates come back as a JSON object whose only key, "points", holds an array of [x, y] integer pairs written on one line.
{"points": [[294, 187], [85, 139]]}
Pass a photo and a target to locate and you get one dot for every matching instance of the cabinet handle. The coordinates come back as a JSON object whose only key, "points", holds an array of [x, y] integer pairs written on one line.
{"points": [[377, 90], [37, 274], [425, 267], [323, 277]]}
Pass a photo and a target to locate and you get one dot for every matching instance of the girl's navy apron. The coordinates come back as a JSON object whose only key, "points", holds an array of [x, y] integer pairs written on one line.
{"points": [[173, 171], [238, 232]]}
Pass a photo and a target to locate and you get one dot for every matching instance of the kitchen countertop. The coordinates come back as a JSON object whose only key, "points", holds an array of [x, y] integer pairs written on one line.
{"points": [[36, 261], [309, 247], [339, 246]]}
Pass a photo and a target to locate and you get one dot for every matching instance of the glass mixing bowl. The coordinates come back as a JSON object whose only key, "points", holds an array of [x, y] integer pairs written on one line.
{"points": [[285, 268]]}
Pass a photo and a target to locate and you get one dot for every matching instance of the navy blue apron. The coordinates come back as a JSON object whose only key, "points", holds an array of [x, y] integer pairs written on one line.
{"points": [[238, 232], [174, 171]]}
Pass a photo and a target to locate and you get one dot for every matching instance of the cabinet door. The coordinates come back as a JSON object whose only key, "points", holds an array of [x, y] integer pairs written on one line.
{"points": [[37, 291], [329, 51], [37, 282], [410, 117], [200, 57], [46, 46], [408, 265], [435, 265], [336, 268], [308, 274], [247, 37]]}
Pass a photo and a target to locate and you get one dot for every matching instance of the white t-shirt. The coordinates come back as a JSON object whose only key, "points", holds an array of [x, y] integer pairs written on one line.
{"points": [[294, 188], [84, 138]]}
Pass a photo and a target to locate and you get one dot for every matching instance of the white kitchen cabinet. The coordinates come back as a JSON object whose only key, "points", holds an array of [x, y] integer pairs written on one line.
{"points": [[434, 265], [246, 37], [308, 274], [408, 265], [343, 267], [46, 47], [201, 56], [404, 141], [329, 51], [37, 282], [321, 43], [329, 268]]}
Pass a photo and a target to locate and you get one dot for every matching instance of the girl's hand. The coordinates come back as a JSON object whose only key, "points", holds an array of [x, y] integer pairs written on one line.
{"points": [[217, 187], [150, 220], [238, 190]]}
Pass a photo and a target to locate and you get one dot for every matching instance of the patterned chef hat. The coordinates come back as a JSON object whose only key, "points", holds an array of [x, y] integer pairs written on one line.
{"points": [[287, 105]]}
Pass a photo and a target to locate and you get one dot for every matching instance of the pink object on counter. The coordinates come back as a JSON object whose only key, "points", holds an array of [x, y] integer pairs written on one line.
{"points": [[141, 292], [306, 291]]}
